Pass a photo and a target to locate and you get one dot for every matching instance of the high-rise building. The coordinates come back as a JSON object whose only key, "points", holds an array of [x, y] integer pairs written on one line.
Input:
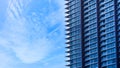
{"points": [[93, 33]]}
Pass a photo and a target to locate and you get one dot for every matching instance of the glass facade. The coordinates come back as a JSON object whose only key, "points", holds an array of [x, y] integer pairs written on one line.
{"points": [[107, 34], [93, 33], [73, 34], [90, 34]]}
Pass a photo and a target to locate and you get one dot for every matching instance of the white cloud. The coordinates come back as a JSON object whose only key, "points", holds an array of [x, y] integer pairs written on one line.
{"points": [[16, 36], [29, 47], [29, 41], [7, 61]]}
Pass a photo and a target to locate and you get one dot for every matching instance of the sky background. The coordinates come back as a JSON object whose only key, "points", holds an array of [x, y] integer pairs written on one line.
{"points": [[32, 34]]}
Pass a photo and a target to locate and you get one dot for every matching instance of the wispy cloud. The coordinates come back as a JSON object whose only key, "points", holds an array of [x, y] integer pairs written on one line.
{"points": [[32, 36], [21, 37]]}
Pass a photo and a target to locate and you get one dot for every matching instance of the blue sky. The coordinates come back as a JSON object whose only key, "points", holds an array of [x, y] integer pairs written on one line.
{"points": [[32, 34]]}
